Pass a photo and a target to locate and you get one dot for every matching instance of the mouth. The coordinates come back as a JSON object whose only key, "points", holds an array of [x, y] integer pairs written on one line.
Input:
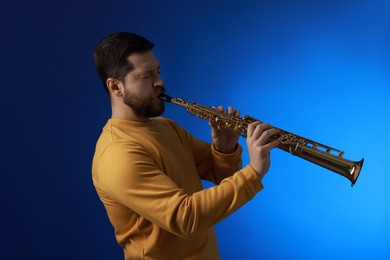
{"points": [[161, 90], [161, 94], [165, 97]]}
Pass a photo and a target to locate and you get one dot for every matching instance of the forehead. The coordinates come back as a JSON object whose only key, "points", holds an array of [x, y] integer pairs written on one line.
{"points": [[144, 60]]}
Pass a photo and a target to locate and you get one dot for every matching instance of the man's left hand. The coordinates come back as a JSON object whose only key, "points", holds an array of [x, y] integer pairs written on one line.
{"points": [[224, 139]]}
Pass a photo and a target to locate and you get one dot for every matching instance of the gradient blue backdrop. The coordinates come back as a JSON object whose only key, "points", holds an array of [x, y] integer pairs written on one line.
{"points": [[316, 68]]}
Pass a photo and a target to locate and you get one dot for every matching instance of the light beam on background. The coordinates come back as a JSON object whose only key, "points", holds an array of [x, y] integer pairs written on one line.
{"points": [[322, 73]]}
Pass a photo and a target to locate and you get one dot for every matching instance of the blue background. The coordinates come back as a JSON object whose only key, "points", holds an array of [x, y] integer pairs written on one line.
{"points": [[319, 69]]}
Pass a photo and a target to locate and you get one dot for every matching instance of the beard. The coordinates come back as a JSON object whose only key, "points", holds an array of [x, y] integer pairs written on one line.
{"points": [[149, 107]]}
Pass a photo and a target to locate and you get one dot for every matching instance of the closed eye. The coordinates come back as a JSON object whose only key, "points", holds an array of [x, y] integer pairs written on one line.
{"points": [[150, 73], [146, 76]]}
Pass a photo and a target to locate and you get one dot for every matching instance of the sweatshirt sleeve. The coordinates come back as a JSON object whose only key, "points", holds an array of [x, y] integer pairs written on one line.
{"points": [[212, 165], [135, 181]]}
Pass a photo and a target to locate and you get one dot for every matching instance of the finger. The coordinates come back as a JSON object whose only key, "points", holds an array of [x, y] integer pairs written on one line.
{"points": [[267, 135], [259, 131], [274, 143], [230, 110], [251, 128], [214, 125], [236, 113]]}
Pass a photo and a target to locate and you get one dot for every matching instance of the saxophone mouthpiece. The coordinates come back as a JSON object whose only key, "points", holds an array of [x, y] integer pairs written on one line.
{"points": [[165, 97]]}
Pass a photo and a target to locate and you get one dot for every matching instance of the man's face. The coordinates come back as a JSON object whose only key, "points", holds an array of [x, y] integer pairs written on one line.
{"points": [[143, 85]]}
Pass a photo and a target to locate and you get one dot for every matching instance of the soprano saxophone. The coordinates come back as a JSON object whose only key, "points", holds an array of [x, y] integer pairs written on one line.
{"points": [[320, 154]]}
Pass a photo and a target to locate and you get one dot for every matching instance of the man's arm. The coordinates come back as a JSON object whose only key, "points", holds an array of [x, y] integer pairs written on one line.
{"points": [[135, 181]]}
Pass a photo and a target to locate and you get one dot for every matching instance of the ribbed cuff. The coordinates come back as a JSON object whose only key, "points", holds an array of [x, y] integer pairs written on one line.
{"points": [[236, 153], [251, 179]]}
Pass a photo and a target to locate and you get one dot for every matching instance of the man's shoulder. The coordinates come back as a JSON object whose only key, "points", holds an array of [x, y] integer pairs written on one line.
{"points": [[164, 120]]}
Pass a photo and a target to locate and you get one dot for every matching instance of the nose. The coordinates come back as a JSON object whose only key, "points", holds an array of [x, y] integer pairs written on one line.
{"points": [[158, 82]]}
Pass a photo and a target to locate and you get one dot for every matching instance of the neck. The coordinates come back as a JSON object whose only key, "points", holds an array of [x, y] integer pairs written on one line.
{"points": [[123, 111]]}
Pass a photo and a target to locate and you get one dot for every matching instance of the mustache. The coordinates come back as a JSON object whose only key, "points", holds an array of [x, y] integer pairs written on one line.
{"points": [[161, 90]]}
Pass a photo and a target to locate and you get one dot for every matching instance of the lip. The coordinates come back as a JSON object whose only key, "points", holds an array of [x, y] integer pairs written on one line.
{"points": [[158, 97], [160, 93]]}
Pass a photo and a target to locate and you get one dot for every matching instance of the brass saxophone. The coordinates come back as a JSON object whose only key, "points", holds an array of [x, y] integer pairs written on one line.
{"points": [[320, 154]]}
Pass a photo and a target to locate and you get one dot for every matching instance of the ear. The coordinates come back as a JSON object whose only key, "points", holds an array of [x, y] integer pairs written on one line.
{"points": [[115, 87]]}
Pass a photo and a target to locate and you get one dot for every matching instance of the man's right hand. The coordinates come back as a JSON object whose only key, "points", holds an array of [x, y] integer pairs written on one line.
{"points": [[258, 148]]}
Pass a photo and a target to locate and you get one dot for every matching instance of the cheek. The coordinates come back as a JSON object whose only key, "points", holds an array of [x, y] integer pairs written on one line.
{"points": [[140, 86], [135, 89]]}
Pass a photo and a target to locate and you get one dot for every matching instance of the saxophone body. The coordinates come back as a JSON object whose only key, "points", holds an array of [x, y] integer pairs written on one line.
{"points": [[320, 154]]}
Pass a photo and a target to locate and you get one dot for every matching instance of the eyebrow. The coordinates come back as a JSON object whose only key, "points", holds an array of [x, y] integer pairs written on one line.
{"points": [[150, 70]]}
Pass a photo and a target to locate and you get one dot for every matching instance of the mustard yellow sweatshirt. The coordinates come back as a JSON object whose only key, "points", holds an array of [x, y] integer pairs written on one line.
{"points": [[148, 176]]}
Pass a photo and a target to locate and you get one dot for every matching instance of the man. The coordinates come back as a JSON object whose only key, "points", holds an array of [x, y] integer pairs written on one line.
{"points": [[147, 170]]}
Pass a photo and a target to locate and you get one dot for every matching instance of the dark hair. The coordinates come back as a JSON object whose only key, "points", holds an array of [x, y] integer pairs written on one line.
{"points": [[110, 56]]}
